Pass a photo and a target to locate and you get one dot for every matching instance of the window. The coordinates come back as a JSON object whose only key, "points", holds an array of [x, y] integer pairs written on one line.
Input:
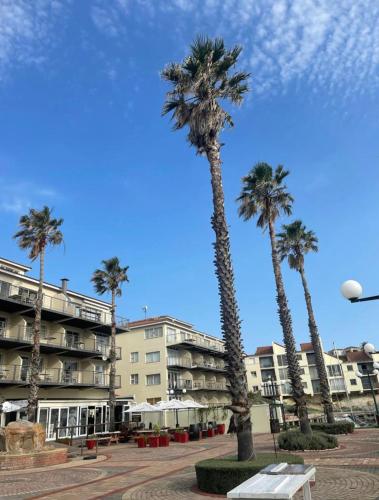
{"points": [[311, 358], [268, 375], [266, 362], [134, 357], [134, 378], [29, 331], [353, 381], [153, 333], [302, 371], [171, 331], [282, 360], [3, 322], [72, 339], [254, 374], [283, 373], [153, 357], [154, 379], [286, 388], [313, 373], [350, 368], [305, 385], [255, 388], [334, 371], [337, 384], [299, 357], [153, 401], [316, 386]]}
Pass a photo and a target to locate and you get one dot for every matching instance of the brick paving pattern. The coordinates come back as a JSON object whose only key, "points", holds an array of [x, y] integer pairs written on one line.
{"points": [[167, 473]]}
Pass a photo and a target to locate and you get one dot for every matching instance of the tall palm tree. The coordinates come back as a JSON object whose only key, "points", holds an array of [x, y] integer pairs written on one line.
{"points": [[265, 195], [294, 242], [201, 84], [110, 279], [38, 230]]}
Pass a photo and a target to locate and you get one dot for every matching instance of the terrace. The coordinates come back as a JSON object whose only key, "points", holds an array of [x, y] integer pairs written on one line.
{"points": [[22, 300], [20, 375], [195, 342]]}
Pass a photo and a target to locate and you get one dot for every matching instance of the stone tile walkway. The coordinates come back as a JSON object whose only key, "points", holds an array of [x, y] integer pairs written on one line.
{"points": [[168, 473]]}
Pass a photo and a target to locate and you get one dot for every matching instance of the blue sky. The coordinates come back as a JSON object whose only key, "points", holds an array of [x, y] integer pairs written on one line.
{"points": [[80, 100]]}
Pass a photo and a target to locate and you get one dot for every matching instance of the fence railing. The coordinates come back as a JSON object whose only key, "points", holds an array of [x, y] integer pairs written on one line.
{"points": [[28, 296], [194, 339], [186, 363], [60, 376], [80, 343]]}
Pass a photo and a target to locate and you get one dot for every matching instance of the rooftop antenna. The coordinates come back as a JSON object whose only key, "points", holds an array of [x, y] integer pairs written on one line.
{"points": [[144, 309]]}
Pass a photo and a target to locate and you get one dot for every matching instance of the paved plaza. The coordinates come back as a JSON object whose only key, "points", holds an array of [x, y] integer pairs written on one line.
{"points": [[125, 472]]}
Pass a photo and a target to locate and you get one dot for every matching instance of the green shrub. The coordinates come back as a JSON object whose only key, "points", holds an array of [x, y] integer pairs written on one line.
{"points": [[341, 427], [220, 475], [295, 440]]}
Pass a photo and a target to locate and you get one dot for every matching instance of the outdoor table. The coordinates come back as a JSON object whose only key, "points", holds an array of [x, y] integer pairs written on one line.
{"points": [[277, 481]]}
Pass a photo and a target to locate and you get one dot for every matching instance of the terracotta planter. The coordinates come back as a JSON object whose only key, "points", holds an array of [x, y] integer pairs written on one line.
{"points": [[91, 443], [141, 442], [210, 433], [221, 428], [164, 441], [154, 441]]}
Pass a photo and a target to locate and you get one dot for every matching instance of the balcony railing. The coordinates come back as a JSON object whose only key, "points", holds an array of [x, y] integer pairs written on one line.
{"points": [[197, 385], [186, 363], [91, 346], [19, 374], [195, 340], [28, 297]]}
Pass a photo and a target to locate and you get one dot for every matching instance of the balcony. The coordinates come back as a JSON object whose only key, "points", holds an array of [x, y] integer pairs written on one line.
{"points": [[20, 375], [22, 339], [197, 385], [188, 365], [21, 300], [194, 341]]}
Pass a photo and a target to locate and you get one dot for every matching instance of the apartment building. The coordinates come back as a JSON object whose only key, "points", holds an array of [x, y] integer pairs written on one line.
{"points": [[75, 348], [269, 363], [164, 357]]}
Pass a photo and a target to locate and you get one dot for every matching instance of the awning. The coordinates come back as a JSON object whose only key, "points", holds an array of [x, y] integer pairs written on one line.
{"points": [[8, 406], [143, 408]]}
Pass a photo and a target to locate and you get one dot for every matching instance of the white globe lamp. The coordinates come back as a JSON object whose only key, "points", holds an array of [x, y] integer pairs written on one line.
{"points": [[369, 348], [351, 289]]}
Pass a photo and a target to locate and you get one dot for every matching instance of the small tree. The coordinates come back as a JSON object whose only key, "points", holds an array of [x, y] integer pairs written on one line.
{"points": [[294, 242], [109, 280], [38, 230], [265, 195]]}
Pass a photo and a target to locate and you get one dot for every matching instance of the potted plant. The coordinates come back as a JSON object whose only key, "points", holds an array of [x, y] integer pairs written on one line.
{"points": [[181, 436], [141, 441], [91, 442], [210, 432], [154, 439], [221, 428], [164, 439]]}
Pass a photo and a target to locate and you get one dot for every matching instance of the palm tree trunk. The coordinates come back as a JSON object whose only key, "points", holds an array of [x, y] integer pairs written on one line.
{"points": [[35, 358], [230, 321], [288, 338], [320, 363], [112, 374]]}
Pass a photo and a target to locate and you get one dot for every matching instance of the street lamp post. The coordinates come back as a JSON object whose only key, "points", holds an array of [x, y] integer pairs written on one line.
{"points": [[352, 290], [175, 392], [369, 349]]}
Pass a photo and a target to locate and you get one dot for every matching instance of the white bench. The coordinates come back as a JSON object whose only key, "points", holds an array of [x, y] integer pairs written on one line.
{"points": [[275, 484]]}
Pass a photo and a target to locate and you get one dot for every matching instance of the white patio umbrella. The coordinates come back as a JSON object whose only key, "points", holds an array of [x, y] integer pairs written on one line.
{"points": [[142, 408], [192, 405]]}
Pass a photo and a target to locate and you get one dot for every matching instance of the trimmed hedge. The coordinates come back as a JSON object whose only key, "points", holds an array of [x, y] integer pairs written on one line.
{"points": [[295, 440], [220, 475], [341, 427]]}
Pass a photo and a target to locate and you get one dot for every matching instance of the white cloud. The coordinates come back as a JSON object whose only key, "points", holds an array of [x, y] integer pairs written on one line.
{"points": [[331, 45], [18, 197], [27, 31]]}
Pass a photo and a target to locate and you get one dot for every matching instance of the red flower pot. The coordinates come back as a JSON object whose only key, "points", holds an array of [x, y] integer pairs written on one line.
{"points": [[141, 442], [164, 440], [91, 443], [221, 428], [154, 441], [211, 433]]}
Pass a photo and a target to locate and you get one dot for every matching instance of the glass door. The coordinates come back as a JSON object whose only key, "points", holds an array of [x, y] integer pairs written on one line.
{"points": [[43, 418], [70, 372], [99, 375], [25, 368], [54, 419], [83, 421], [73, 421], [102, 344], [3, 323], [98, 419], [63, 422]]}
